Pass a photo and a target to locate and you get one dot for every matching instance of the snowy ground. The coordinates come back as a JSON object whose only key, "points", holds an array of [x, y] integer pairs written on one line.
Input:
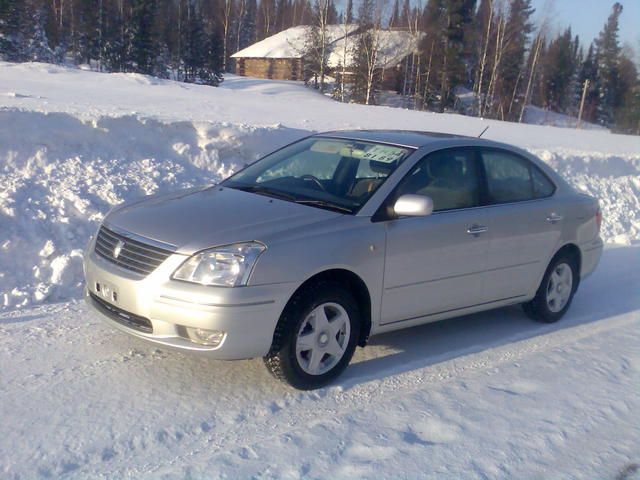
{"points": [[486, 396], [489, 396]]}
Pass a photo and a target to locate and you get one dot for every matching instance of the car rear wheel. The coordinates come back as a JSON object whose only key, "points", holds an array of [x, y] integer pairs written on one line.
{"points": [[556, 291], [315, 337]]}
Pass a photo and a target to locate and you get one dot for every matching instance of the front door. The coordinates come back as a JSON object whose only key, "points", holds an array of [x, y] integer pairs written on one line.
{"points": [[434, 264]]}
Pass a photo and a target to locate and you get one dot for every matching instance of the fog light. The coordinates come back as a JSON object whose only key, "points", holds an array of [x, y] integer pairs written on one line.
{"points": [[202, 336]]}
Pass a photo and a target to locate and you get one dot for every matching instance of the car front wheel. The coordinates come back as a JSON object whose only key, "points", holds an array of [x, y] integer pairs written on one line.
{"points": [[315, 337]]}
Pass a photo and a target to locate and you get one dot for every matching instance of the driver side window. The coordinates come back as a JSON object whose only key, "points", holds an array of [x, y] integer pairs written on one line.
{"points": [[449, 177]]}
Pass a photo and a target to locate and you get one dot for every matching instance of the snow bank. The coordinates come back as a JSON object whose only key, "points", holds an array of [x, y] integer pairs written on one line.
{"points": [[60, 175], [613, 179], [75, 143]]}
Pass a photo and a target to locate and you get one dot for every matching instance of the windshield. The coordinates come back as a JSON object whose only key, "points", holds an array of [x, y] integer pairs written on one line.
{"points": [[329, 173]]}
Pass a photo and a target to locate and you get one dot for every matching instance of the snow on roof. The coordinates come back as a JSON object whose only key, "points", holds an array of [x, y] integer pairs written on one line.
{"points": [[289, 43], [394, 46]]}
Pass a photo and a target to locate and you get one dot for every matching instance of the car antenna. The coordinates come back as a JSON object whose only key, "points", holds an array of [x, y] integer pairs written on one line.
{"points": [[482, 133]]}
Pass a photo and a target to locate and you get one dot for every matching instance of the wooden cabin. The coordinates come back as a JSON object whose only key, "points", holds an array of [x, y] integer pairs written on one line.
{"points": [[281, 56]]}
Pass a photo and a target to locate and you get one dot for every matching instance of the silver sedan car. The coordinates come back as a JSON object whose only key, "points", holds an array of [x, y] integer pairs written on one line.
{"points": [[308, 252]]}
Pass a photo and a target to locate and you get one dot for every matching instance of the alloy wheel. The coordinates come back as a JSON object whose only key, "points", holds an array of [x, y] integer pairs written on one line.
{"points": [[559, 287], [323, 338]]}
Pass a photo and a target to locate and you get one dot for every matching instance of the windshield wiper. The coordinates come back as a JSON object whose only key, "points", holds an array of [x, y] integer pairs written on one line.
{"points": [[326, 205], [269, 192]]}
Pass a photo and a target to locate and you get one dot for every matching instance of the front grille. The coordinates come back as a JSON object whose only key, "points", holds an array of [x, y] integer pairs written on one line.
{"points": [[123, 317], [134, 255]]}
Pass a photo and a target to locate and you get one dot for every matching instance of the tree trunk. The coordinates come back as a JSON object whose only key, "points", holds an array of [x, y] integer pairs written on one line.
{"points": [[584, 96], [427, 79], [483, 62], [496, 64], [534, 62]]}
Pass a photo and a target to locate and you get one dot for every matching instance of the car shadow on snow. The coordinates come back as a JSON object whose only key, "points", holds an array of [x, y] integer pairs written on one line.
{"points": [[612, 290]]}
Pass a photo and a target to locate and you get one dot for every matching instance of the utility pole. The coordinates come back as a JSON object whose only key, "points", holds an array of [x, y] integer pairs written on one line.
{"points": [[584, 96]]}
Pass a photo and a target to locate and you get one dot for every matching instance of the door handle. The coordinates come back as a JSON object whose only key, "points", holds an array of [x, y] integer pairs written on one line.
{"points": [[476, 230], [554, 218]]}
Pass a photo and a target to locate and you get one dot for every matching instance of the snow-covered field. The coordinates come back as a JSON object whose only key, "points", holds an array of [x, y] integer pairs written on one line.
{"points": [[488, 396]]}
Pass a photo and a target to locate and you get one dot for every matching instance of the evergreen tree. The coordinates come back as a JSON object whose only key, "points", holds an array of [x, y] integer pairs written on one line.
{"points": [[116, 43], [143, 37], [87, 34], [11, 39], [22, 31], [458, 18], [518, 28], [607, 58], [448, 28], [627, 115], [195, 47], [36, 48], [214, 61], [248, 25], [588, 71], [559, 68]]}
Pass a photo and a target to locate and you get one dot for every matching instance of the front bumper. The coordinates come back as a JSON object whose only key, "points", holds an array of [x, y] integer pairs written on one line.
{"points": [[248, 315]]}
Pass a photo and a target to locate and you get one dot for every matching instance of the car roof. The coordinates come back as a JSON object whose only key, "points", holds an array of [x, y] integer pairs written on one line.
{"points": [[406, 138]]}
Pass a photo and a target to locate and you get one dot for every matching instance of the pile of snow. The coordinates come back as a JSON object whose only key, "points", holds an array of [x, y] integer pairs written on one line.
{"points": [[60, 175], [75, 143]]}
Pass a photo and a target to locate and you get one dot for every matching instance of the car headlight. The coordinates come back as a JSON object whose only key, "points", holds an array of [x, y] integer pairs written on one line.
{"points": [[227, 266]]}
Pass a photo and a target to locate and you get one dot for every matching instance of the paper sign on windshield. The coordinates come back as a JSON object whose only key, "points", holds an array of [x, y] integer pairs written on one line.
{"points": [[384, 153]]}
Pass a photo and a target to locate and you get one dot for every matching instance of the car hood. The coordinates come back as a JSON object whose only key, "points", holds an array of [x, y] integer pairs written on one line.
{"points": [[196, 219]]}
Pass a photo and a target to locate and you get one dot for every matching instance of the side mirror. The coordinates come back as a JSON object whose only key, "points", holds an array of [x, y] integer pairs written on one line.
{"points": [[413, 206]]}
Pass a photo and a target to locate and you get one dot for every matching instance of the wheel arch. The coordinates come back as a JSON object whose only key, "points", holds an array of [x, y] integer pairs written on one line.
{"points": [[572, 250], [354, 283]]}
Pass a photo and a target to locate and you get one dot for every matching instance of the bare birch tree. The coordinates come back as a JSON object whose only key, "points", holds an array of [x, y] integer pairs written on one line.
{"points": [[532, 70], [499, 51], [483, 59], [316, 50]]}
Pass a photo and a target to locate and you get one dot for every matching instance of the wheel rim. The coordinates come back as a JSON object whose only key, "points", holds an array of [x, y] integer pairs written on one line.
{"points": [[323, 338], [559, 287]]}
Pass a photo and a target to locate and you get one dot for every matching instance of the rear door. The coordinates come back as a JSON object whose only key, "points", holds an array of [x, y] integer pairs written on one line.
{"points": [[523, 221], [435, 263]]}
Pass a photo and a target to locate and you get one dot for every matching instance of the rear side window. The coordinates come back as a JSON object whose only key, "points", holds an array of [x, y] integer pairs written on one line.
{"points": [[542, 186], [511, 178], [449, 177]]}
